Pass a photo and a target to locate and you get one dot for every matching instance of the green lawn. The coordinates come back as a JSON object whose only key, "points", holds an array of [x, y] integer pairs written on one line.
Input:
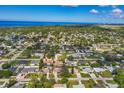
{"points": [[111, 81], [85, 75], [69, 76], [1, 82], [51, 75], [88, 83], [106, 74], [32, 75], [96, 74], [70, 83], [101, 83], [5, 74], [73, 76]]}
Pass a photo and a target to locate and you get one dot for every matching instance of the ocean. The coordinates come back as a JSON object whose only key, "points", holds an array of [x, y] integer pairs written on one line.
{"points": [[31, 23]]}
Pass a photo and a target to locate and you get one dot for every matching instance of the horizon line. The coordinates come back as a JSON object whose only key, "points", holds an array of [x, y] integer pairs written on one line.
{"points": [[59, 21]]}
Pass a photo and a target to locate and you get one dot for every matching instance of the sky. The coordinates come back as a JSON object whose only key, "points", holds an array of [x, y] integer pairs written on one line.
{"points": [[63, 13]]}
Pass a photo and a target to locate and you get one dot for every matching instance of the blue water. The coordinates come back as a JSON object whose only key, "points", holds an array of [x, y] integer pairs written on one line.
{"points": [[27, 23]]}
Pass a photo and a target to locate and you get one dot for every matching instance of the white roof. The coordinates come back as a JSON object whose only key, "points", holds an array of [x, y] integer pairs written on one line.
{"points": [[60, 86], [87, 69], [113, 85], [78, 86], [99, 69]]}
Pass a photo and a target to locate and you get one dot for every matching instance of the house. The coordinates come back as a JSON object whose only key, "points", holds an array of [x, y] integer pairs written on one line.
{"points": [[23, 62], [39, 54], [9, 47], [122, 61], [99, 69], [57, 57], [81, 62], [93, 62], [47, 61], [69, 63], [119, 55], [29, 70], [87, 70], [1, 67], [79, 86], [13, 69], [46, 70], [57, 69], [34, 63], [57, 60], [113, 85], [110, 68], [58, 63], [105, 47], [17, 85], [1, 63], [2, 84], [1, 52], [59, 86]]}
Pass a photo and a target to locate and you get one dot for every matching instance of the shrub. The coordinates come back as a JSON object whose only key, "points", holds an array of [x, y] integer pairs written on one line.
{"points": [[6, 66], [5, 74]]}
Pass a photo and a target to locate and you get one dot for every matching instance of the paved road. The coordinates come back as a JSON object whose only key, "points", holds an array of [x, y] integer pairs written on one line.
{"points": [[56, 77], [4, 79], [28, 59], [48, 76], [19, 59], [93, 76], [17, 55], [78, 77], [11, 52], [87, 59]]}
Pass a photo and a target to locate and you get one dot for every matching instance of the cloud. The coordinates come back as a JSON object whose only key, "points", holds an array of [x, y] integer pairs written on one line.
{"points": [[114, 13], [94, 11], [117, 13], [122, 16]]}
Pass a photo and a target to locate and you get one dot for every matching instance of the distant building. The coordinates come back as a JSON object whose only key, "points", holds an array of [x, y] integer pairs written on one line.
{"points": [[113, 85], [2, 84], [59, 86], [23, 62], [29, 70], [17, 85], [110, 68], [87, 69], [57, 69], [99, 69], [45, 70], [34, 63], [78, 86], [47, 61]]}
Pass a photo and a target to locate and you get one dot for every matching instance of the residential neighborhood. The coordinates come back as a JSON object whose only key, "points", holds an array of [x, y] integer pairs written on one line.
{"points": [[89, 56]]}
